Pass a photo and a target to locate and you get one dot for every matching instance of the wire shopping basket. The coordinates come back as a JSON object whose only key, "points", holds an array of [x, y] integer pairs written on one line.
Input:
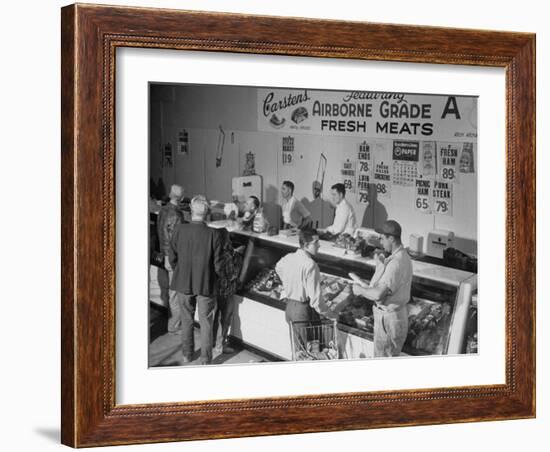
{"points": [[314, 340]]}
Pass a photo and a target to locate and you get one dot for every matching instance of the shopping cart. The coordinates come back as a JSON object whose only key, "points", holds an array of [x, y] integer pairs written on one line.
{"points": [[314, 340]]}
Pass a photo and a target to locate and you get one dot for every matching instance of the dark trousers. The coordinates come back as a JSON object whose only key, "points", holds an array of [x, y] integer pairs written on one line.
{"points": [[207, 309], [169, 298], [223, 319]]}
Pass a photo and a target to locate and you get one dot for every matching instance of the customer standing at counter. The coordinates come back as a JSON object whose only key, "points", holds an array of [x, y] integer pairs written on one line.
{"points": [[390, 289], [295, 215], [344, 217], [196, 256], [227, 285], [251, 208], [169, 217], [301, 280]]}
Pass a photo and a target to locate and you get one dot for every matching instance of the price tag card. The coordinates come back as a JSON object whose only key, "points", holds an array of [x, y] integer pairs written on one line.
{"points": [[443, 197], [348, 175], [447, 154], [381, 170], [423, 195], [363, 173], [288, 151]]}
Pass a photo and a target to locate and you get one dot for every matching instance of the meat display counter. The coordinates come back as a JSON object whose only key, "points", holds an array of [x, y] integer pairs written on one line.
{"points": [[438, 310]]}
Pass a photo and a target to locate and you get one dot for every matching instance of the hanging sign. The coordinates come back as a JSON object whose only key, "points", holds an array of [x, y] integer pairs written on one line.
{"points": [[183, 142], [363, 173], [443, 197], [447, 161], [167, 161], [376, 114], [466, 163], [423, 195], [427, 159], [405, 160], [348, 175], [381, 170], [288, 151]]}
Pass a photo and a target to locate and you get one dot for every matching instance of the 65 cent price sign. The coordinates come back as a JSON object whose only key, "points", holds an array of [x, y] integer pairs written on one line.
{"points": [[423, 195]]}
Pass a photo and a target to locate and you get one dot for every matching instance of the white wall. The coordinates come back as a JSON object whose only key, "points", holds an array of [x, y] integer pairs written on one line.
{"points": [[202, 109], [30, 391]]}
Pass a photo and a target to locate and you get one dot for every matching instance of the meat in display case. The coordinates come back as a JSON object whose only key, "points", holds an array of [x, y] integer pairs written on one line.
{"points": [[438, 308]]}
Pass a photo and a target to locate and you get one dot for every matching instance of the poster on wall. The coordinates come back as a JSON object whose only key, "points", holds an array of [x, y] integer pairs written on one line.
{"points": [[467, 158], [288, 156], [405, 162], [363, 173], [249, 164], [167, 160], [183, 142], [348, 175], [447, 160], [381, 169], [427, 159], [423, 195], [443, 197]]}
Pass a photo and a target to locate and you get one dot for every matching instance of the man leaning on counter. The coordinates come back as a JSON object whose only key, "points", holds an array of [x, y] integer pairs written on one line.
{"points": [[344, 216], [390, 289]]}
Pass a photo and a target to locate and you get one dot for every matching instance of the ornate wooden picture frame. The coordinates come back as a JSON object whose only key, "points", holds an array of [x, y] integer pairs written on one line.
{"points": [[90, 37]]}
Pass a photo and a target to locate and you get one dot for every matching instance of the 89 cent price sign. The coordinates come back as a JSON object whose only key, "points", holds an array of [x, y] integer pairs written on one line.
{"points": [[447, 161]]}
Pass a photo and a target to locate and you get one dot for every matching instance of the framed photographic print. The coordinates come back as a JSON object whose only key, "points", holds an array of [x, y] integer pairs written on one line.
{"points": [[282, 225]]}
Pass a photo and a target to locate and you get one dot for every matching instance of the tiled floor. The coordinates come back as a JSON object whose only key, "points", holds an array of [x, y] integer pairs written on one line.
{"points": [[165, 348]]}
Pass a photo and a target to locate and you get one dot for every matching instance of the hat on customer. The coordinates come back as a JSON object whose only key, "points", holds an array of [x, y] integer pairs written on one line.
{"points": [[390, 227]]}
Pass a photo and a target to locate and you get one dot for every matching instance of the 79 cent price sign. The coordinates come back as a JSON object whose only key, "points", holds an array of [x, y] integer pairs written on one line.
{"points": [[443, 198], [363, 173]]}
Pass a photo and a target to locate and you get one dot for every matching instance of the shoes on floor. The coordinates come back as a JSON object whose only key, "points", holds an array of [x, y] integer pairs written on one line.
{"points": [[227, 349]]}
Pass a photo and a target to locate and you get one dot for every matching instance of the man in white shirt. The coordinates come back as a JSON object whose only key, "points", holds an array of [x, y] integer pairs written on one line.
{"points": [[301, 280], [344, 217], [295, 215], [390, 289]]}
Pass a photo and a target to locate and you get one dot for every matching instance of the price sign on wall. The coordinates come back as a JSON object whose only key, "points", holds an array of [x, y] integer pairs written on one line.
{"points": [[348, 175], [381, 170], [422, 198], [447, 161], [382, 180], [288, 151], [363, 173], [443, 197]]}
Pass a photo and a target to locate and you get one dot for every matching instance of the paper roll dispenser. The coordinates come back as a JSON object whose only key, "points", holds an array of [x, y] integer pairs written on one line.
{"points": [[245, 186], [438, 241]]}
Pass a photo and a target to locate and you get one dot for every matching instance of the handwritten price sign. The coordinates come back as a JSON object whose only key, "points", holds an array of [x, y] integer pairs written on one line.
{"points": [[443, 197]]}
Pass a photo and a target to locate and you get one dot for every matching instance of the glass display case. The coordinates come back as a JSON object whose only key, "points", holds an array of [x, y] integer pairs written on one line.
{"points": [[438, 309]]}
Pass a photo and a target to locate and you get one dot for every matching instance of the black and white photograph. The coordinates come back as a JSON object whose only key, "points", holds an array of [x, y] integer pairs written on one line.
{"points": [[296, 224]]}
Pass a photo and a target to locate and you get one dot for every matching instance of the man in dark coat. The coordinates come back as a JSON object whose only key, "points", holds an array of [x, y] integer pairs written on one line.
{"points": [[196, 255], [168, 219]]}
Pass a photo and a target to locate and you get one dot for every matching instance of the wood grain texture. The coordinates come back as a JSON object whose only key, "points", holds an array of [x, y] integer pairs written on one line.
{"points": [[90, 36]]}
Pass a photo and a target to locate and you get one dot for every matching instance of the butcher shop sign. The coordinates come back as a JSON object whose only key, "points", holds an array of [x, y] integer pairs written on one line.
{"points": [[364, 114]]}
